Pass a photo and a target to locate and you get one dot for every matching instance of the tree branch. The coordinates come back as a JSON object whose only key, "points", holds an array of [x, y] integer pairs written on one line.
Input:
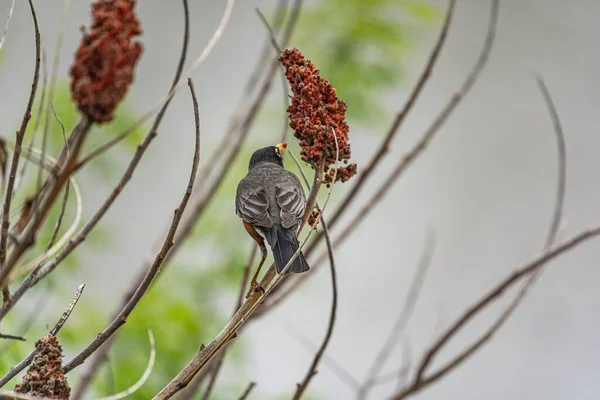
{"points": [[155, 268], [17, 153], [40, 273], [404, 163], [383, 148], [402, 322], [54, 331], [421, 381], [12, 337], [312, 371], [246, 393]]}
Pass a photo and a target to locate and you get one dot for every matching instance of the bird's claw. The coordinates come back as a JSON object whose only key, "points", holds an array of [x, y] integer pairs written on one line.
{"points": [[255, 288]]}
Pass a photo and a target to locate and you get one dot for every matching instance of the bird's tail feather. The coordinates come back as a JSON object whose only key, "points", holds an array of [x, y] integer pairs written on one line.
{"points": [[284, 247]]}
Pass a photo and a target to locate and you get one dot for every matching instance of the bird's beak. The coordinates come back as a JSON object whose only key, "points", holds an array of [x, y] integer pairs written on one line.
{"points": [[281, 147]]}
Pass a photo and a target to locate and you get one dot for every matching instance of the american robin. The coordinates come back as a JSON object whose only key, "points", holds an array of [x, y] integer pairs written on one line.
{"points": [[271, 202]]}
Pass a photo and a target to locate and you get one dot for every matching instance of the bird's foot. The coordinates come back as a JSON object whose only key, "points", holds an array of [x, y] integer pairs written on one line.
{"points": [[254, 288]]}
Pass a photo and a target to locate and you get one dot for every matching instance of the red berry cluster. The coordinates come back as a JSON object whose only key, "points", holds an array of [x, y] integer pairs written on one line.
{"points": [[44, 377], [317, 116], [313, 218], [105, 60]]}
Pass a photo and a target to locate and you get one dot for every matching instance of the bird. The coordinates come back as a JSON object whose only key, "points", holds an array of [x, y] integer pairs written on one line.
{"points": [[271, 203]]}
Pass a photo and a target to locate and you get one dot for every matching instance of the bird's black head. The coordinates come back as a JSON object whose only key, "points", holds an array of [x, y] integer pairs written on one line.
{"points": [[270, 154]]}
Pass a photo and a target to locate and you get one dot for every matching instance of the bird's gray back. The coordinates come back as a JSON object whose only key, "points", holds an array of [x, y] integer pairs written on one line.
{"points": [[269, 176]]}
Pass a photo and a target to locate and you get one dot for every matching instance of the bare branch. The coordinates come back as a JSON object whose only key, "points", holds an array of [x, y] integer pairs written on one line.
{"points": [[402, 322], [177, 84], [273, 40], [280, 12], [312, 371], [65, 316], [200, 204], [38, 117], [64, 13], [26, 239], [406, 161], [214, 373], [11, 395], [10, 14], [400, 118], [246, 393], [532, 278], [19, 292], [206, 353], [335, 367], [434, 128], [54, 331], [17, 151], [52, 248], [260, 67], [40, 273], [421, 381], [12, 337], [152, 272]]}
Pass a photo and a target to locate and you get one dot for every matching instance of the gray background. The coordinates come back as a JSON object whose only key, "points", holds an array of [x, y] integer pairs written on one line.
{"points": [[486, 186]]}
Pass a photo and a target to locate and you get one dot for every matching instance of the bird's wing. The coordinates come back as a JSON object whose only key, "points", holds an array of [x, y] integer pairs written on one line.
{"points": [[252, 204], [291, 200]]}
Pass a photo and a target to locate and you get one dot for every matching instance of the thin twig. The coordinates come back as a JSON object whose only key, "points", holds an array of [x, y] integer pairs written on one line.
{"points": [[199, 204], [17, 150], [403, 372], [284, 86], [422, 381], [336, 368], [433, 129], [12, 337], [38, 308], [561, 148], [65, 316], [240, 298], [64, 13], [195, 386], [253, 80], [38, 274], [206, 353], [178, 84], [412, 297], [312, 371], [54, 331], [152, 272], [246, 393], [61, 215], [398, 120], [27, 238], [280, 12], [11, 395], [406, 161], [38, 117], [136, 386], [52, 248], [63, 207], [10, 14]]}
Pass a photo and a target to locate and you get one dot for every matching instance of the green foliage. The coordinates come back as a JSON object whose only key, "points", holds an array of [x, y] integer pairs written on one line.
{"points": [[361, 47]]}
